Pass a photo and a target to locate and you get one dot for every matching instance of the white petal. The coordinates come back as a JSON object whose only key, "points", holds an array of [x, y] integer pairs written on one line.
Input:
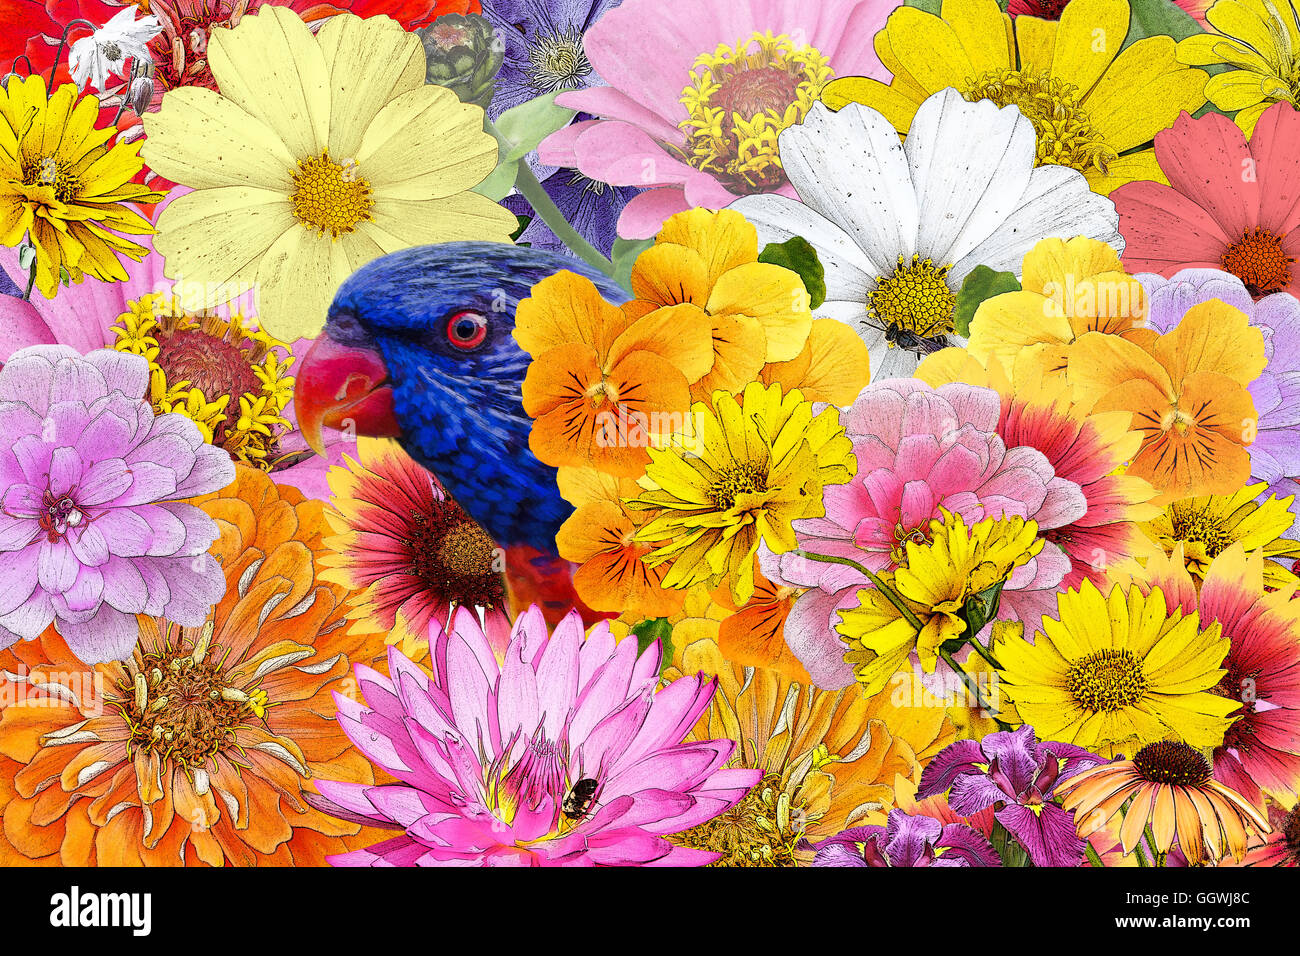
{"points": [[850, 167], [1057, 204], [971, 164]]}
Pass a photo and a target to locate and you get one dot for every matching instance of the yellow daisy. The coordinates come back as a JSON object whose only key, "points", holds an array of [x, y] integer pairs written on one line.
{"points": [[1115, 673], [921, 605], [1090, 104], [64, 188], [321, 153], [740, 475], [1207, 525], [1260, 41]]}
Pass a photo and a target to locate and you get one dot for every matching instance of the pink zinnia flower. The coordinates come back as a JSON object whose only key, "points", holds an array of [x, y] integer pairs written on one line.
{"points": [[918, 449], [562, 753], [90, 532], [698, 92], [1229, 204]]}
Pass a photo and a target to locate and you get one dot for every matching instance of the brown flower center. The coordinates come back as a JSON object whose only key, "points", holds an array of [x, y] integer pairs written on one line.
{"points": [[1172, 762], [48, 171], [214, 366], [1106, 680], [738, 479], [453, 557], [1259, 261], [1190, 524]]}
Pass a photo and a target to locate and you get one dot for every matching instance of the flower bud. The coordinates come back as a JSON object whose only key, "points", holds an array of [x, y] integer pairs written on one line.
{"points": [[464, 54]]}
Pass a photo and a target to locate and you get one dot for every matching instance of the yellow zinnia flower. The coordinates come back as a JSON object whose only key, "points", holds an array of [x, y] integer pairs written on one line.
{"points": [[1090, 103], [1260, 40], [64, 188], [1207, 525], [1113, 673], [320, 154], [830, 758], [934, 583], [741, 475]]}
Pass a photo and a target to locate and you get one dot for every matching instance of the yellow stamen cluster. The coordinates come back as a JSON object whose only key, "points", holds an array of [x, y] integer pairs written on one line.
{"points": [[1106, 680], [1066, 136], [914, 298], [740, 98], [762, 830], [158, 328], [48, 171], [328, 196]]}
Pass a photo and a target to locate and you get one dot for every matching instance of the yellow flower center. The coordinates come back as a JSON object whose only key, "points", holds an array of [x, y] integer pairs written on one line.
{"points": [[466, 549], [762, 830], [740, 98], [330, 196], [602, 392], [48, 171], [179, 703], [738, 478], [1066, 137], [1259, 261], [1202, 526], [1106, 680], [914, 304], [1178, 420]]}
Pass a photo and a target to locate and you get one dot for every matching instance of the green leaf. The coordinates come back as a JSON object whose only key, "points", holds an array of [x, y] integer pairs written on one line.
{"points": [[499, 182], [1152, 18], [623, 255], [520, 129], [929, 6], [523, 224], [651, 630], [798, 255], [981, 283]]}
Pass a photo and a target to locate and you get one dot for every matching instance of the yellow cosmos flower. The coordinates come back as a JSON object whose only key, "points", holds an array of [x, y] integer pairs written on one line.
{"points": [[64, 188], [741, 475], [1208, 525], [1114, 673], [1068, 288], [830, 759], [1260, 41], [1090, 103], [706, 265], [222, 373], [321, 153], [934, 583]]}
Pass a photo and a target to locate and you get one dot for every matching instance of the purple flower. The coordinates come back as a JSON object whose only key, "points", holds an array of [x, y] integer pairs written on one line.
{"points": [[1275, 452], [590, 207], [561, 754], [1016, 775], [906, 840], [89, 529]]}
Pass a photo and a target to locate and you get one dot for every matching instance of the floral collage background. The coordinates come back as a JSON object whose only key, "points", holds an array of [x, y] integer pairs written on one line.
{"points": [[759, 433]]}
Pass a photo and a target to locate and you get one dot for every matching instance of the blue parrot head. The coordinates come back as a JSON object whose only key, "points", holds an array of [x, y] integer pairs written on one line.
{"points": [[418, 346]]}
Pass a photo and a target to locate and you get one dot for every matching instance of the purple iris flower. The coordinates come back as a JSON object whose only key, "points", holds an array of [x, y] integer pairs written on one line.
{"points": [[1016, 775], [1275, 452], [906, 840]]}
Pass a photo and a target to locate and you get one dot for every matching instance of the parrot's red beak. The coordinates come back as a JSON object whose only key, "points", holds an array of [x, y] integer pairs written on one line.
{"points": [[339, 386]]}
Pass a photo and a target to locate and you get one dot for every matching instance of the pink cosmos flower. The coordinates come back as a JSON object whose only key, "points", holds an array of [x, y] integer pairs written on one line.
{"points": [[562, 753], [918, 449], [90, 531], [698, 91], [1229, 204]]}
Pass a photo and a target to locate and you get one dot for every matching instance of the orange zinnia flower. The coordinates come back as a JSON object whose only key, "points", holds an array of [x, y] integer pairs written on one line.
{"points": [[602, 383], [1187, 392], [199, 747]]}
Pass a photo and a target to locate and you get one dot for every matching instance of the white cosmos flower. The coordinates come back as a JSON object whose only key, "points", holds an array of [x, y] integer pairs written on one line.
{"points": [[898, 226], [106, 50]]}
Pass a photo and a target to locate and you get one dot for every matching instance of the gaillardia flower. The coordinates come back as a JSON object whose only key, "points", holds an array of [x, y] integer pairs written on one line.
{"points": [[63, 188], [898, 227], [200, 747], [321, 153], [1112, 673], [91, 526], [1171, 789], [1090, 101], [561, 753], [740, 476], [409, 554]]}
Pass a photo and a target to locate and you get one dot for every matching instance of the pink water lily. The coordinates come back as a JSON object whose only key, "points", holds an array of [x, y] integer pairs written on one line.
{"points": [[563, 752], [91, 531]]}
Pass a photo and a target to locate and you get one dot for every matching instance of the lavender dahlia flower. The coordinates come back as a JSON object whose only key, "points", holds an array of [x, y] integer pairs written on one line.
{"points": [[90, 531], [906, 840], [562, 753], [1014, 773]]}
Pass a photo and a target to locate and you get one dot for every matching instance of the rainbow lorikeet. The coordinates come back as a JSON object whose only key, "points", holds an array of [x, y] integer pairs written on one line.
{"points": [[418, 346]]}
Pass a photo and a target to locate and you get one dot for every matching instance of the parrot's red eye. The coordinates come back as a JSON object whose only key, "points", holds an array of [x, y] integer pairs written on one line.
{"points": [[466, 330]]}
